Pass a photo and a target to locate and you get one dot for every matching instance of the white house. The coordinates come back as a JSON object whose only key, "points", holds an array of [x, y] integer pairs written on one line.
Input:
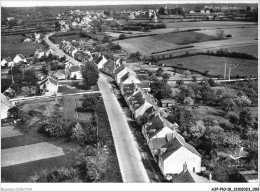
{"points": [[49, 85], [19, 58], [73, 52], [74, 71], [7, 62], [5, 106], [120, 73], [39, 53], [101, 61], [175, 153]]}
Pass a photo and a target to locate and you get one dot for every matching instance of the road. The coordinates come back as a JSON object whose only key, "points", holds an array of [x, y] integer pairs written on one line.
{"points": [[129, 158]]}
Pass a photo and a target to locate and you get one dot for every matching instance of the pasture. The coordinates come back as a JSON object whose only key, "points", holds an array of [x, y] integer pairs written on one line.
{"points": [[250, 49], [215, 65], [12, 45]]}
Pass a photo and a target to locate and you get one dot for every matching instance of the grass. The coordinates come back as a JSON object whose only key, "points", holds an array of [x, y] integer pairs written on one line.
{"points": [[12, 45], [250, 49], [181, 38], [215, 65], [70, 88]]}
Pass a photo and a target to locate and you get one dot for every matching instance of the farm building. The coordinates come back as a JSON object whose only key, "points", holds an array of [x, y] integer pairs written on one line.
{"points": [[5, 106], [19, 58], [49, 85], [175, 153], [188, 176], [7, 62], [39, 53]]}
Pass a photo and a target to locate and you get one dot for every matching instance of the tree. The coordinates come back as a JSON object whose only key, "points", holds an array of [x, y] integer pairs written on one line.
{"points": [[122, 36], [207, 93], [161, 11], [106, 39], [46, 68], [30, 78], [248, 8], [63, 58], [220, 34], [186, 73], [245, 119], [211, 82], [14, 111], [160, 71], [90, 74], [179, 82], [227, 104], [147, 28], [166, 76], [89, 104]]}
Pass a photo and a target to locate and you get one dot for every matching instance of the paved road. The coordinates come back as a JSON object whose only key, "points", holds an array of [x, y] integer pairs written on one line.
{"points": [[129, 158], [131, 166]]}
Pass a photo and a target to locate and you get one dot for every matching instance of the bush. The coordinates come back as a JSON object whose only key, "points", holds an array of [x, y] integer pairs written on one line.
{"points": [[34, 113], [78, 134], [62, 174]]}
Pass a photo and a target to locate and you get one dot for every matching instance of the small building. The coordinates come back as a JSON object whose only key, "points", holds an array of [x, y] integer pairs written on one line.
{"points": [[248, 176], [7, 62], [175, 153], [19, 58], [27, 40], [109, 67], [168, 102], [39, 53], [73, 71], [49, 85], [120, 72]]}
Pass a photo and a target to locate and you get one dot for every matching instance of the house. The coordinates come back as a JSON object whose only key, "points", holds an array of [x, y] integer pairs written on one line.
{"points": [[120, 72], [127, 79], [175, 153], [5, 106], [27, 40], [19, 58], [145, 86], [188, 176], [49, 85], [37, 38], [101, 61], [59, 74], [75, 50], [109, 67], [39, 53], [168, 102], [248, 176], [73, 71], [158, 131], [7, 62], [49, 51]]}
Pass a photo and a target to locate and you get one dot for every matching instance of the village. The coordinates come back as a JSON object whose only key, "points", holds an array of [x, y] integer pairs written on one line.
{"points": [[187, 125]]}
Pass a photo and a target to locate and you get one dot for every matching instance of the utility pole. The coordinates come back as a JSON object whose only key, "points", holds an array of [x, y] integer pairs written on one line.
{"points": [[229, 73], [225, 70]]}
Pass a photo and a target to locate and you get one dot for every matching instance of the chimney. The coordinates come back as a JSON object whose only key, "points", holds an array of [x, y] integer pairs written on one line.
{"points": [[194, 169], [185, 166], [210, 176]]}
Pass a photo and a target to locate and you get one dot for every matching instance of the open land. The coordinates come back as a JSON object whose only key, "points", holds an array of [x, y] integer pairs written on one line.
{"points": [[215, 65], [12, 45]]}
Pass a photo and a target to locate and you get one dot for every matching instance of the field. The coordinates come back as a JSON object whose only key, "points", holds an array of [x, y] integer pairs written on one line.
{"points": [[237, 33], [250, 49], [12, 45], [215, 65], [69, 37], [184, 37], [206, 24], [163, 42]]}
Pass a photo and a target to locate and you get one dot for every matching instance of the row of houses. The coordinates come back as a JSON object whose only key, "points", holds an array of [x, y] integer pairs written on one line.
{"points": [[174, 155]]}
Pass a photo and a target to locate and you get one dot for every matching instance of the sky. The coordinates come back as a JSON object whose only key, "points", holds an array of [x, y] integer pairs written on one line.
{"points": [[36, 3]]}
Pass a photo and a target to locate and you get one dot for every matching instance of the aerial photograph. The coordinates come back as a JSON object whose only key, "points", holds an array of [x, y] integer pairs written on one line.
{"points": [[127, 92]]}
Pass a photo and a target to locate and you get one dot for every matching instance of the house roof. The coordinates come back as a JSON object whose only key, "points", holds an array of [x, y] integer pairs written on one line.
{"points": [[53, 81], [129, 90], [110, 65], [39, 50], [8, 59], [98, 59], [124, 77], [21, 56], [188, 176], [59, 73], [75, 68], [145, 85], [168, 101], [175, 144], [120, 68]]}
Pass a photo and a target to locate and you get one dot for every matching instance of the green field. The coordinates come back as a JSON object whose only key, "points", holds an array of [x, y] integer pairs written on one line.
{"points": [[12, 45], [250, 49], [163, 42], [181, 38], [215, 65]]}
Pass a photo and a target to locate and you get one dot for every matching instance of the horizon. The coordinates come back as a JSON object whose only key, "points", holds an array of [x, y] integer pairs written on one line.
{"points": [[43, 3]]}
